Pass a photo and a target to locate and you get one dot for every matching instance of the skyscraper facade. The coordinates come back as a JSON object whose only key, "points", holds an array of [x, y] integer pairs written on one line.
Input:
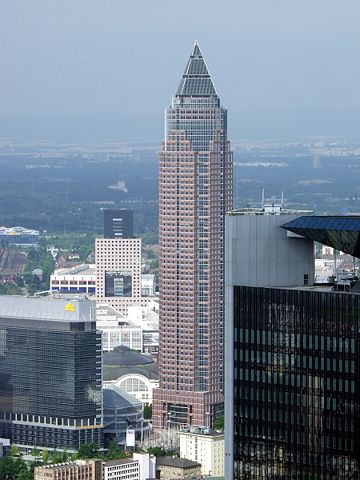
{"points": [[291, 348], [195, 191]]}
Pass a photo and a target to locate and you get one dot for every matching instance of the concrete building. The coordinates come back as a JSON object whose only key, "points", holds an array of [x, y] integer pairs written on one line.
{"points": [[118, 272], [203, 446], [168, 468], [291, 352], [50, 373], [77, 470], [195, 191]]}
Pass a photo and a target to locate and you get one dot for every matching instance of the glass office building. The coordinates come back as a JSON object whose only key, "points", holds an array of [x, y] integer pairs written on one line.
{"points": [[296, 391], [50, 373], [292, 383]]}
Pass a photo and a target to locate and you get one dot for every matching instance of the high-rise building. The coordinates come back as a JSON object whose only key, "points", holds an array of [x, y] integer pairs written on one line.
{"points": [[50, 373], [195, 191], [118, 273], [118, 223], [291, 351]]}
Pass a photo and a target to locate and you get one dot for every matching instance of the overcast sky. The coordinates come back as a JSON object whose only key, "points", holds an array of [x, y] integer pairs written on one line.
{"points": [[82, 56]]}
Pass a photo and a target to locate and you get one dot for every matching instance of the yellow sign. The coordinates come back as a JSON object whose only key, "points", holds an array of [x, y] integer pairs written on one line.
{"points": [[69, 307]]}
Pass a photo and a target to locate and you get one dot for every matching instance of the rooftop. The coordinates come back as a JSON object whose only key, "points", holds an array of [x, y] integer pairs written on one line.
{"points": [[46, 308], [177, 462]]}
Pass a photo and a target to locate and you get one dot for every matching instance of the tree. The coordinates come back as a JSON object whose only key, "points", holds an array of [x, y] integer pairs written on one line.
{"points": [[88, 450], [157, 451], [35, 452], [148, 412], [10, 468], [219, 423], [45, 455], [14, 451]]}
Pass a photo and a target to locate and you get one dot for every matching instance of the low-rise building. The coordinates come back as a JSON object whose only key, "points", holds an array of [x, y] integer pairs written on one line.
{"points": [[19, 236], [140, 467], [79, 279], [168, 468], [204, 446], [77, 470]]}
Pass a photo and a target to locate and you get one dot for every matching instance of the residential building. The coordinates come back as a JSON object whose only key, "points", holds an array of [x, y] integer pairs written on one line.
{"points": [[77, 470], [292, 351], [168, 468], [204, 446], [195, 191], [118, 223], [50, 373]]}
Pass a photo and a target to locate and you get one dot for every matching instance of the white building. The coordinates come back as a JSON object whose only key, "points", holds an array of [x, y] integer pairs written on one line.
{"points": [[118, 272], [205, 447], [148, 285], [122, 469], [79, 279], [141, 467]]}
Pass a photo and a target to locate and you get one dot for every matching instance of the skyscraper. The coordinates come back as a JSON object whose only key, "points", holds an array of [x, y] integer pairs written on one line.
{"points": [[195, 191], [292, 349]]}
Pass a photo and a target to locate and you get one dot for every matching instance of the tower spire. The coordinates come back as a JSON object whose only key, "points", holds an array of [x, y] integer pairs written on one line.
{"points": [[196, 81]]}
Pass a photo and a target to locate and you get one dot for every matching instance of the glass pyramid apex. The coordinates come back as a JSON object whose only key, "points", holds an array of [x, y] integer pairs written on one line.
{"points": [[196, 81]]}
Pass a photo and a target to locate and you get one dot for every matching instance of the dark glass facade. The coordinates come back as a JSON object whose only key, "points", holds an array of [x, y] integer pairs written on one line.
{"points": [[118, 224], [50, 383], [296, 384]]}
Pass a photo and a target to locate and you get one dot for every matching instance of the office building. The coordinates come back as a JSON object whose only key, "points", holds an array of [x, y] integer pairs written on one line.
{"points": [[118, 273], [118, 223], [50, 373], [204, 446], [140, 467], [77, 470], [292, 351], [195, 191]]}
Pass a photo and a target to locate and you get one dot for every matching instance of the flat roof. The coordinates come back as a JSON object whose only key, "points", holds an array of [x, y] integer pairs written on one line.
{"points": [[47, 308], [262, 211]]}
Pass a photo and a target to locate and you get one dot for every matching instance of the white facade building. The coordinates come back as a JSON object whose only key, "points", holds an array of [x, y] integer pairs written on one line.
{"points": [[205, 447], [141, 467], [79, 279]]}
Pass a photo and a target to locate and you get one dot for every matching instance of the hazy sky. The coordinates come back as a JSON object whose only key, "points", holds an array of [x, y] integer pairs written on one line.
{"points": [[82, 56]]}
